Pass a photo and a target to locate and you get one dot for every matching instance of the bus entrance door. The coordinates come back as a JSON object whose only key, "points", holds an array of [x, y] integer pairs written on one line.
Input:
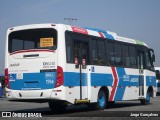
{"points": [[81, 56], [141, 73]]}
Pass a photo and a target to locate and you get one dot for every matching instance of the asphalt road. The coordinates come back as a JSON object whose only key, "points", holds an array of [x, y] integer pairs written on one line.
{"points": [[120, 109]]}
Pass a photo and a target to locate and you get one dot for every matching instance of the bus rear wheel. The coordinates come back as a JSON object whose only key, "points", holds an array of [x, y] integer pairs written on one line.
{"points": [[57, 106]]}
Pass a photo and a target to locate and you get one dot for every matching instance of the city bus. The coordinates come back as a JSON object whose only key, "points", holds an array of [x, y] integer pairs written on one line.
{"points": [[158, 79], [63, 64]]}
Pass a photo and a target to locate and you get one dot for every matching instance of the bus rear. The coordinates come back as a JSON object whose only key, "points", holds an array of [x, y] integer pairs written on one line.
{"points": [[31, 70]]}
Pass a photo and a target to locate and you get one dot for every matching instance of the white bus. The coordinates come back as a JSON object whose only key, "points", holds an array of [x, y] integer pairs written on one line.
{"points": [[158, 78], [62, 64]]}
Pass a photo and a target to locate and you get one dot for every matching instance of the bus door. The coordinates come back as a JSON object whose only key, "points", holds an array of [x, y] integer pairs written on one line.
{"points": [[81, 58], [141, 72]]}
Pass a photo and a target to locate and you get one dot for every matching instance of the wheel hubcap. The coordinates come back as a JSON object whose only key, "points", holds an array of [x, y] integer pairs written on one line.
{"points": [[101, 101]]}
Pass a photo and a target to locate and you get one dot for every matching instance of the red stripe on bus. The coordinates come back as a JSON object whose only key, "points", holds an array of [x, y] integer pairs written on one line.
{"points": [[79, 30], [115, 84], [101, 34]]}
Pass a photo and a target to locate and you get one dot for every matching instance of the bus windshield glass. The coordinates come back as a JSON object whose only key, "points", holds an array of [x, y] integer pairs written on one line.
{"points": [[44, 38]]}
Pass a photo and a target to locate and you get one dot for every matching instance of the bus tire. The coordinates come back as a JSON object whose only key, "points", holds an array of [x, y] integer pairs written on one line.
{"points": [[101, 100], [57, 106], [147, 100]]}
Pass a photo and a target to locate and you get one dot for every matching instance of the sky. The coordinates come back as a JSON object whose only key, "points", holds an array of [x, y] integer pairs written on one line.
{"points": [[137, 19]]}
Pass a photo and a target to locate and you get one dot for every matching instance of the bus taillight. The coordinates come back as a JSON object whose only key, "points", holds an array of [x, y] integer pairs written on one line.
{"points": [[7, 79], [59, 77]]}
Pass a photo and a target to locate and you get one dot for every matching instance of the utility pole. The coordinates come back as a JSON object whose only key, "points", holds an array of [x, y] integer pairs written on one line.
{"points": [[70, 20]]}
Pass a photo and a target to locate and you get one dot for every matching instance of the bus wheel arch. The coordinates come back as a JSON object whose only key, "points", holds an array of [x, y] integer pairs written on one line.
{"points": [[150, 91], [106, 90], [149, 94]]}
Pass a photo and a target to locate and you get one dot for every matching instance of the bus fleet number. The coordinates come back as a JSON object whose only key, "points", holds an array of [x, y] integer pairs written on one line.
{"points": [[49, 81]]}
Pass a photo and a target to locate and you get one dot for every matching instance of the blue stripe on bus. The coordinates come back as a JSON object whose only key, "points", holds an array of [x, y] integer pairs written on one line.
{"points": [[39, 81], [106, 34], [101, 79], [120, 90], [33, 81], [109, 36], [98, 79], [73, 79]]}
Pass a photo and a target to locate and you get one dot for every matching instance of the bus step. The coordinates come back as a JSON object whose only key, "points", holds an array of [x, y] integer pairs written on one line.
{"points": [[82, 101]]}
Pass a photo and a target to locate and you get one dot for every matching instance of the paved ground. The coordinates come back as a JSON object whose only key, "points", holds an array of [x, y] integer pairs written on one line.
{"points": [[120, 109]]}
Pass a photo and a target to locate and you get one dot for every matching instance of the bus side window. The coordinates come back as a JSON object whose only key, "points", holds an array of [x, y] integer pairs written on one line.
{"points": [[85, 54], [101, 52], [118, 54], [94, 57], [110, 53], [149, 64], [69, 49], [126, 56], [132, 54]]}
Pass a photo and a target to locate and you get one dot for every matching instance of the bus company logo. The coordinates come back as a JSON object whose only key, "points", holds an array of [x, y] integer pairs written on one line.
{"points": [[126, 78], [14, 65], [6, 114]]}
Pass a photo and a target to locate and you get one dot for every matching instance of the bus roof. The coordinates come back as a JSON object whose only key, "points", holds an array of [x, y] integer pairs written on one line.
{"points": [[104, 34], [86, 30]]}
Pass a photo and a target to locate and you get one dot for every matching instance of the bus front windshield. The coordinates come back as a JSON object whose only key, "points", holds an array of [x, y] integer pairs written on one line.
{"points": [[44, 38]]}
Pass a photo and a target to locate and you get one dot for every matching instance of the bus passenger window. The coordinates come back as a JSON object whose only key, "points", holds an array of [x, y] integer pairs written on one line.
{"points": [[149, 64], [69, 49], [101, 52], [94, 58], [110, 53], [85, 53], [118, 53], [132, 54], [126, 56]]}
